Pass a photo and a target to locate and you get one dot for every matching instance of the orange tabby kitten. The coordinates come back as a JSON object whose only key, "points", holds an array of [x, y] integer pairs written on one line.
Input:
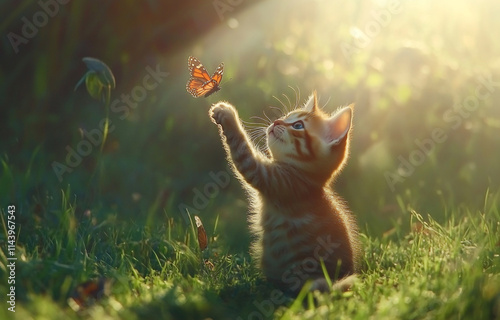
{"points": [[299, 221]]}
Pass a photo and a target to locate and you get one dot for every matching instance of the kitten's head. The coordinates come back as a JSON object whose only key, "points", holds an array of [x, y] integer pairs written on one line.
{"points": [[310, 139]]}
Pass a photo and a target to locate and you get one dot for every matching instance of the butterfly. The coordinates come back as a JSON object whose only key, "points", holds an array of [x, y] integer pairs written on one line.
{"points": [[202, 235], [200, 83]]}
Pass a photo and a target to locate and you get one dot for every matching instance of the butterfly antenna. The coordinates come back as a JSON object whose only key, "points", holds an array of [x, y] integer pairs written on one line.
{"points": [[226, 81]]}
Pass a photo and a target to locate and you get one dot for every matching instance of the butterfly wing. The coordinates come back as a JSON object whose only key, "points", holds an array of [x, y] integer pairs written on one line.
{"points": [[197, 70], [195, 87], [217, 76], [213, 85]]}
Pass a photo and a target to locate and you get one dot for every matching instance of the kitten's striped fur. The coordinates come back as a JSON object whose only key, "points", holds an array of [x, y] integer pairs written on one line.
{"points": [[298, 219]]}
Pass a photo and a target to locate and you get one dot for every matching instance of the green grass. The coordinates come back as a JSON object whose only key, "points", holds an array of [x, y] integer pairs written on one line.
{"points": [[435, 271]]}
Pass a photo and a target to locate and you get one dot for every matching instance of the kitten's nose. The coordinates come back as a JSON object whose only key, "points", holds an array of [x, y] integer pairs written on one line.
{"points": [[276, 122]]}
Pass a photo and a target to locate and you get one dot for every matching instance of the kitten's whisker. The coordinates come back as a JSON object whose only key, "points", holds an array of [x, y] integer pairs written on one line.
{"points": [[297, 96], [270, 121], [260, 118], [326, 102], [256, 129], [253, 133], [256, 135], [280, 113], [289, 102], [284, 106], [254, 125], [251, 122], [257, 139], [264, 121], [260, 139], [257, 126]]}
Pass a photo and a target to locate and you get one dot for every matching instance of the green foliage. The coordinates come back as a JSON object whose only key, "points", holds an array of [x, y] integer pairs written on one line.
{"points": [[99, 80], [435, 271]]}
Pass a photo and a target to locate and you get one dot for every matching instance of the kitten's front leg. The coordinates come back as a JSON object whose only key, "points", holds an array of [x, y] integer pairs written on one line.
{"points": [[248, 163]]}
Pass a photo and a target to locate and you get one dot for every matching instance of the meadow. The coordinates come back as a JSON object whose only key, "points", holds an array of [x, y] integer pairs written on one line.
{"points": [[102, 182]]}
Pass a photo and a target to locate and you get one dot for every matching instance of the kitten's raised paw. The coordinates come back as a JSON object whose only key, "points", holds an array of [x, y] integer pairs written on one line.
{"points": [[223, 113]]}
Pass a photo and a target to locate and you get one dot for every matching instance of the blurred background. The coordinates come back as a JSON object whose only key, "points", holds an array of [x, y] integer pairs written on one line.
{"points": [[424, 75]]}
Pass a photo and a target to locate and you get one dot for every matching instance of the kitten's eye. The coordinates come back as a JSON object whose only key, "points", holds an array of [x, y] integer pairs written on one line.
{"points": [[298, 125]]}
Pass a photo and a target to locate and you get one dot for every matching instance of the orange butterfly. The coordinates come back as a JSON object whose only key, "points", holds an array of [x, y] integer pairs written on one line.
{"points": [[200, 83]]}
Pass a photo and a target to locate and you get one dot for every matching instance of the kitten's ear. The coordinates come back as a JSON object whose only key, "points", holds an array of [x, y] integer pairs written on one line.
{"points": [[338, 126], [312, 103]]}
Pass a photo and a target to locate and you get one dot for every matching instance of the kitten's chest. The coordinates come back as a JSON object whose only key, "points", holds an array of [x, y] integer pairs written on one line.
{"points": [[285, 217], [286, 221], [285, 232]]}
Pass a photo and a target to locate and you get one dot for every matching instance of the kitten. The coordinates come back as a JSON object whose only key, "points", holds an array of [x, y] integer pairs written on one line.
{"points": [[299, 222]]}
